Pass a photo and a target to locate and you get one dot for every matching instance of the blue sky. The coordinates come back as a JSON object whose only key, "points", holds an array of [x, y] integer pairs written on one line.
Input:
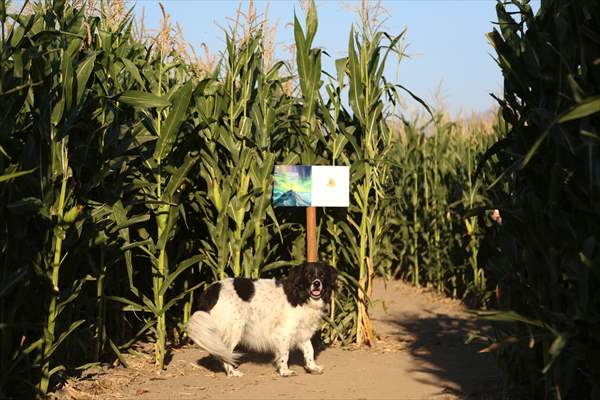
{"points": [[446, 39]]}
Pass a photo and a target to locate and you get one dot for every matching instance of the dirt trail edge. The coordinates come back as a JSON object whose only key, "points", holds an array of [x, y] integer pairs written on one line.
{"points": [[421, 354]]}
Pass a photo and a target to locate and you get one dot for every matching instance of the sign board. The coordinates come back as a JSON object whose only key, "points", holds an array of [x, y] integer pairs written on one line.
{"points": [[311, 186]]}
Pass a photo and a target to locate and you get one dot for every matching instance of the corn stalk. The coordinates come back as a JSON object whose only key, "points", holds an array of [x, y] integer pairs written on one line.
{"points": [[367, 87]]}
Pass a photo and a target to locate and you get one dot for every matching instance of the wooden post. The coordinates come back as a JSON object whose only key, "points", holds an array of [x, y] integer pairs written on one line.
{"points": [[311, 234]]}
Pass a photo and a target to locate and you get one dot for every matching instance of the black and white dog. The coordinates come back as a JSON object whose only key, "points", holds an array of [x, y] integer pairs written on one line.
{"points": [[264, 315]]}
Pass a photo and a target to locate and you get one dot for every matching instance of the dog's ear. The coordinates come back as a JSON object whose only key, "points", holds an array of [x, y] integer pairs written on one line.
{"points": [[297, 273], [330, 272], [331, 278], [294, 285]]}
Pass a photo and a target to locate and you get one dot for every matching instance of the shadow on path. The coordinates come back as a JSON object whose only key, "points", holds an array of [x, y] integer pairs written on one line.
{"points": [[433, 330], [438, 345]]}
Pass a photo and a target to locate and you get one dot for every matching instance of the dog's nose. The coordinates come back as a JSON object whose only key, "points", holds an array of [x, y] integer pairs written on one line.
{"points": [[317, 283]]}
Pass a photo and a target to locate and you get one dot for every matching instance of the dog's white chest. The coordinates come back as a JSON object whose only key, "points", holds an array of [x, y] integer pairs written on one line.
{"points": [[308, 320]]}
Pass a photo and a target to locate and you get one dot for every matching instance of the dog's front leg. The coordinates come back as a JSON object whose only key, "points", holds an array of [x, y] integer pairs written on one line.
{"points": [[281, 361], [309, 358]]}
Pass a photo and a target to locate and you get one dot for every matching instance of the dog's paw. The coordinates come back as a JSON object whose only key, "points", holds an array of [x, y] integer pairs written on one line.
{"points": [[286, 372], [235, 373], [314, 369]]}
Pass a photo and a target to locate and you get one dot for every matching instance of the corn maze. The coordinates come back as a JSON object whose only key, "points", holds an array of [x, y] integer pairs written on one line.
{"points": [[133, 174]]}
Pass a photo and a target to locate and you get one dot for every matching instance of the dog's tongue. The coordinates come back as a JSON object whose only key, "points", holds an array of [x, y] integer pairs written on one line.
{"points": [[316, 293]]}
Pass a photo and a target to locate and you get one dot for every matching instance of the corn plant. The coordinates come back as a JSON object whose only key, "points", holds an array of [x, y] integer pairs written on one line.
{"points": [[244, 118], [48, 79], [308, 60], [367, 88], [545, 254], [161, 175]]}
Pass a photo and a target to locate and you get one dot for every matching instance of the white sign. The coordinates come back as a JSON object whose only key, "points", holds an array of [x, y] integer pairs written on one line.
{"points": [[330, 186]]}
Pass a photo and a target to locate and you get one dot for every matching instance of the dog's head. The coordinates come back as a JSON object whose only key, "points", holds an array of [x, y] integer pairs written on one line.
{"points": [[310, 281]]}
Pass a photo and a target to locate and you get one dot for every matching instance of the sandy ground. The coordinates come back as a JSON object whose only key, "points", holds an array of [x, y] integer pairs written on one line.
{"points": [[420, 354]]}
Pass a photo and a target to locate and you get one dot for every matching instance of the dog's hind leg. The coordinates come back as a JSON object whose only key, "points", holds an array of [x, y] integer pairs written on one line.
{"points": [[309, 359], [232, 341], [232, 370]]}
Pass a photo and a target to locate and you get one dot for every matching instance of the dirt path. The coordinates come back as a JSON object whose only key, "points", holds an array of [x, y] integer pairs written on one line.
{"points": [[420, 355]]}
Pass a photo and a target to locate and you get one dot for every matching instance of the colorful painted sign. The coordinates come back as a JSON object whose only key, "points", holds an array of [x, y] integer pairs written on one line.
{"points": [[292, 187], [311, 186]]}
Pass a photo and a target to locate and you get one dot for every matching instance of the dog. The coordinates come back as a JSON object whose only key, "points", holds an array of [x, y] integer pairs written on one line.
{"points": [[264, 315]]}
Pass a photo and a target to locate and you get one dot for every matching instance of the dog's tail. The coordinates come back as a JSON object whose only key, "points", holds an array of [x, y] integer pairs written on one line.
{"points": [[202, 330]]}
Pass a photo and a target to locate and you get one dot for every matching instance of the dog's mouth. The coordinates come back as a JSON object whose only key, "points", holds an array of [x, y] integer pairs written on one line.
{"points": [[316, 289]]}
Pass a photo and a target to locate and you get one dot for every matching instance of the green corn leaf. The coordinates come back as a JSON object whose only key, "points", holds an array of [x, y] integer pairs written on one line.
{"points": [[340, 68], [84, 70], [34, 346], [14, 175], [132, 221], [75, 291], [301, 53], [356, 88], [137, 336], [119, 215], [178, 178], [133, 70], [115, 350], [177, 115], [133, 306], [55, 370], [67, 78], [137, 98], [57, 112], [531, 152], [508, 316], [63, 336], [418, 99], [180, 296], [150, 305], [312, 23], [182, 266], [172, 216], [135, 245], [586, 108]]}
